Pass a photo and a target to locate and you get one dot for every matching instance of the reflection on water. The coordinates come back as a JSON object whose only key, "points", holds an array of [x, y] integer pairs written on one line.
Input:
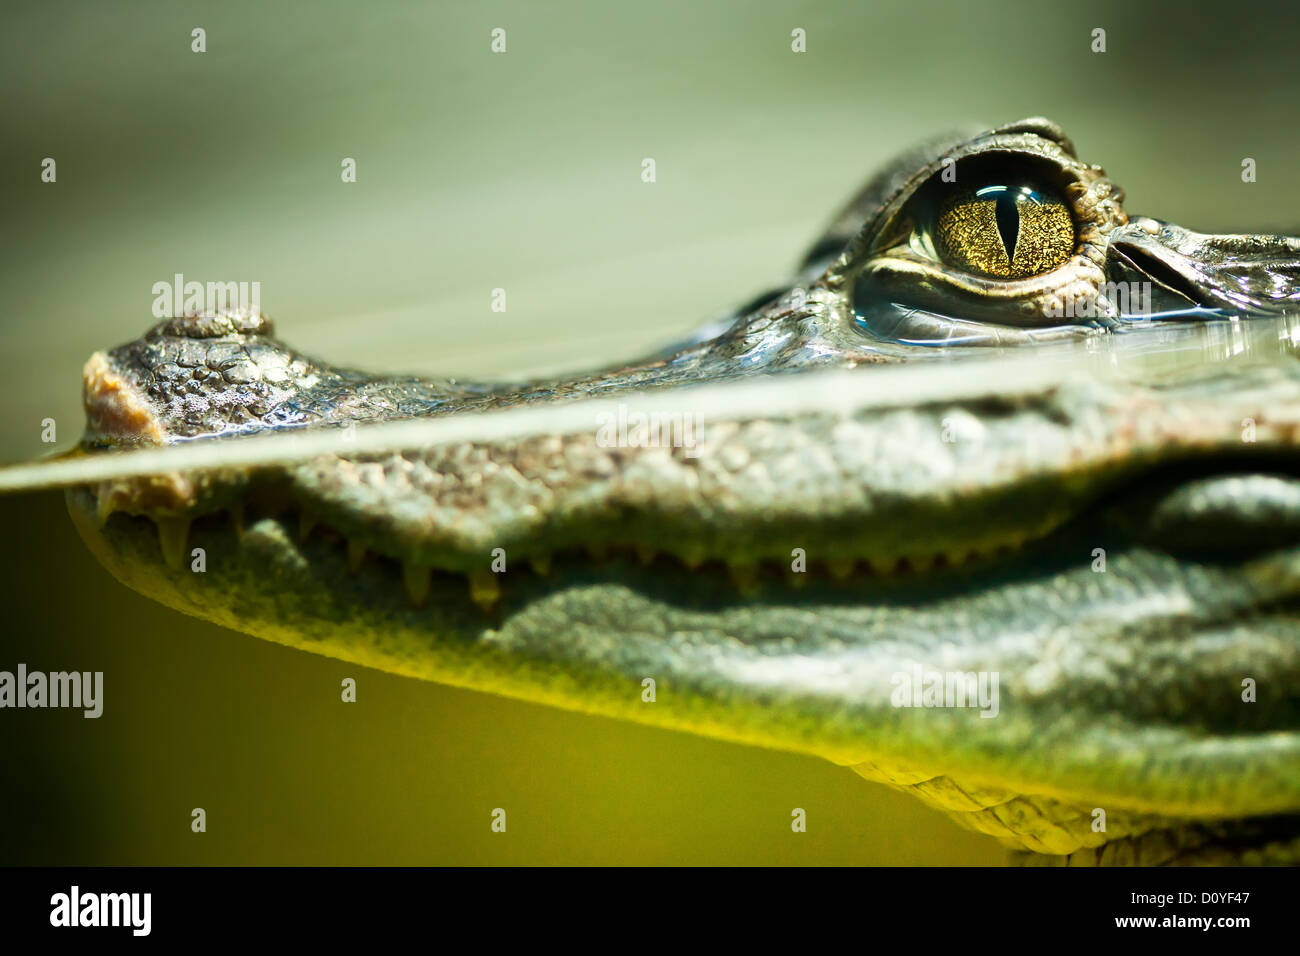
{"points": [[1199, 342], [1138, 345]]}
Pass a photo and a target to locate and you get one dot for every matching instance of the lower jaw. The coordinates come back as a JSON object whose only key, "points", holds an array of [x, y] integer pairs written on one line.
{"points": [[300, 593], [802, 669]]}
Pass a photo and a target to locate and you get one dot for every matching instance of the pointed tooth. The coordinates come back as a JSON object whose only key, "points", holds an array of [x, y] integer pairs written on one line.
{"points": [[645, 554], [841, 569], [692, 558], [418, 579], [306, 522], [744, 575], [356, 555], [173, 533], [104, 507], [484, 588], [883, 565], [541, 564], [921, 562]]}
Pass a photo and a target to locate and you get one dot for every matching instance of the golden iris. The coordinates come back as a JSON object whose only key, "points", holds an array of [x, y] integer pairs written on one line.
{"points": [[1008, 232]]}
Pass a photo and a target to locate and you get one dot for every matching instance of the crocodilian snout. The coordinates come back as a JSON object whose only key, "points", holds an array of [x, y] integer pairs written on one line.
{"points": [[1158, 270]]}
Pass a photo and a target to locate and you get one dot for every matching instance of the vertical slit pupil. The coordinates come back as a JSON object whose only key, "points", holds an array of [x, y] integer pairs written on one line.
{"points": [[1008, 218]]}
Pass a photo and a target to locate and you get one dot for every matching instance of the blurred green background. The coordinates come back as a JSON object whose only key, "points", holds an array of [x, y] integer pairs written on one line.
{"points": [[478, 171]]}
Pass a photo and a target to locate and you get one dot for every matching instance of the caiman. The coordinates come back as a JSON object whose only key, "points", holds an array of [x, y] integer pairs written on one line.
{"points": [[953, 507]]}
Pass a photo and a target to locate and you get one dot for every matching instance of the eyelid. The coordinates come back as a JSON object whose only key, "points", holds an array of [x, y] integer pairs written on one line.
{"points": [[921, 241]]}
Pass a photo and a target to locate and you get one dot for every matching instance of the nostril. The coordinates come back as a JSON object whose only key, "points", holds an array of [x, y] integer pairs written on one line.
{"points": [[211, 325]]}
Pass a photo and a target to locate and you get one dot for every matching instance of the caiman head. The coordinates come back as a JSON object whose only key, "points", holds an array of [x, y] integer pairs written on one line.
{"points": [[1052, 589]]}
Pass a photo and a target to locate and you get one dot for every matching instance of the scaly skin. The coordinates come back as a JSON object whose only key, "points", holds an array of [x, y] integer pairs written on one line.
{"points": [[1117, 541]]}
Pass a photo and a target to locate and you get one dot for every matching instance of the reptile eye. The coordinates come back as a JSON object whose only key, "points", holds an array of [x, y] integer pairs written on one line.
{"points": [[1003, 231]]}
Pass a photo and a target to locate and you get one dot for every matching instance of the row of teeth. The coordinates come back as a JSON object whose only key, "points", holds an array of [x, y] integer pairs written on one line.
{"points": [[485, 587]]}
